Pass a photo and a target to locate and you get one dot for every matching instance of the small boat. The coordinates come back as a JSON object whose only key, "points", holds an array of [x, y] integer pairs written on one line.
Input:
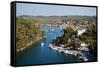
{"points": [[50, 46], [42, 44], [52, 29], [75, 54], [55, 48], [80, 57], [85, 59]]}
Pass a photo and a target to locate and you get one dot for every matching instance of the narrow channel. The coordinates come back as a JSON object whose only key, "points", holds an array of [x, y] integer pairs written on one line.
{"points": [[37, 54]]}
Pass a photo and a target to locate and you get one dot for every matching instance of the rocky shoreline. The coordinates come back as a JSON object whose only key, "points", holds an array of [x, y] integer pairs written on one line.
{"points": [[76, 52], [30, 44]]}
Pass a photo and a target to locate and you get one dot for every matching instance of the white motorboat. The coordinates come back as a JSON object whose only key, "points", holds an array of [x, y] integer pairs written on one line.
{"points": [[42, 44]]}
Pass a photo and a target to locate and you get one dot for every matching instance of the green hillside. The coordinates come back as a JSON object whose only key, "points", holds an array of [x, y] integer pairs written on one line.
{"points": [[26, 33]]}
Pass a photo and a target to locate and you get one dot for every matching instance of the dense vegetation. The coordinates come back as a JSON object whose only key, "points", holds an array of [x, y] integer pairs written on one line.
{"points": [[70, 38], [67, 39], [90, 38], [26, 33]]}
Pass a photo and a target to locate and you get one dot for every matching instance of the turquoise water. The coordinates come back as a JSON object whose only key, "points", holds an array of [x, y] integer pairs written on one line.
{"points": [[36, 54]]}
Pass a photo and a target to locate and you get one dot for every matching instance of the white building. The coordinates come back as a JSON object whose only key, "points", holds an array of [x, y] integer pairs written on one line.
{"points": [[81, 31]]}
